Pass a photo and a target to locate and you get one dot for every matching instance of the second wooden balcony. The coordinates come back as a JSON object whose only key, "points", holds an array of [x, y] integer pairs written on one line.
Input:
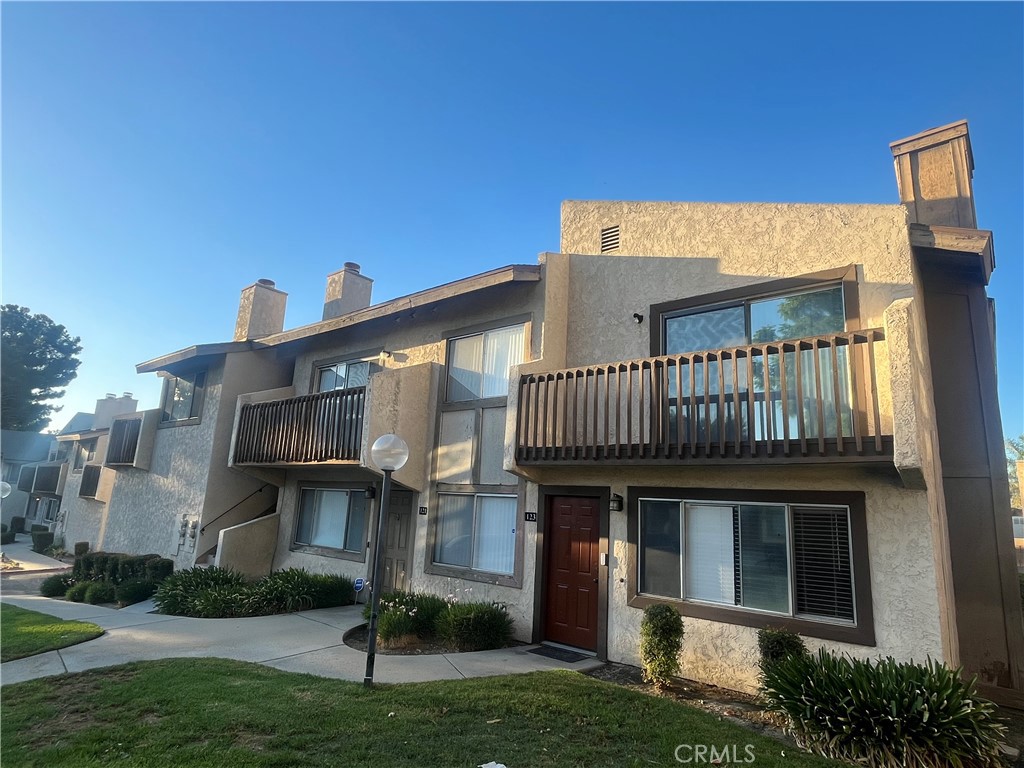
{"points": [[805, 400], [326, 427]]}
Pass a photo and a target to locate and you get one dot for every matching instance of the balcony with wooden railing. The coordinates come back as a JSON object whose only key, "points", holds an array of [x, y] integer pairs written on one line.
{"points": [[803, 400], [326, 427]]}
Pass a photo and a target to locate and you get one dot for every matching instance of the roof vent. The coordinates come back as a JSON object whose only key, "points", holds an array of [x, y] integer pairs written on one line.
{"points": [[610, 239], [127, 394], [266, 282], [111, 396]]}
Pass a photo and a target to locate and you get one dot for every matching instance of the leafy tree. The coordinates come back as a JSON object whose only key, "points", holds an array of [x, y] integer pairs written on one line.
{"points": [[1014, 453], [37, 358]]}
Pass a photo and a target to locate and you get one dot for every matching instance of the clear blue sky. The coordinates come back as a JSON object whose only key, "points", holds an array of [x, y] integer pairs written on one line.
{"points": [[159, 158]]}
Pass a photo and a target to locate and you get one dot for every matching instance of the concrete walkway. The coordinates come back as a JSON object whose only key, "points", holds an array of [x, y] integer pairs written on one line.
{"points": [[309, 641], [21, 553]]}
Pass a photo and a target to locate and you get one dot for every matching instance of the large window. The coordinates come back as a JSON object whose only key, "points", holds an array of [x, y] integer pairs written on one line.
{"points": [[477, 531], [342, 376], [332, 518], [478, 364], [183, 397], [816, 312], [771, 394], [85, 451], [788, 559]]}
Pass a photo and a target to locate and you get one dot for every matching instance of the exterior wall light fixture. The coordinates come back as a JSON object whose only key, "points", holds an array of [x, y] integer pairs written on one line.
{"points": [[615, 503]]}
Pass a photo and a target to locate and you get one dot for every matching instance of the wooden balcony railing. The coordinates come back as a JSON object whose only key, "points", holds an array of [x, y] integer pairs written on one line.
{"points": [[327, 426], [805, 399]]}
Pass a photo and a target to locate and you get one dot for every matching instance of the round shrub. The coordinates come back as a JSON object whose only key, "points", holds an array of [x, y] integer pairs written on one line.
{"points": [[884, 713], [776, 644], [134, 591], [475, 626], [661, 638], [18, 524], [100, 592], [76, 592], [81, 547], [56, 585], [178, 593], [8, 537]]}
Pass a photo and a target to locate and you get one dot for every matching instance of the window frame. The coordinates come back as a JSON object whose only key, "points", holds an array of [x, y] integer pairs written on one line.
{"points": [[321, 551], [479, 330], [83, 455], [476, 511], [198, 381], [846, 277], [370, 357], [475, 487], [860, 632]]}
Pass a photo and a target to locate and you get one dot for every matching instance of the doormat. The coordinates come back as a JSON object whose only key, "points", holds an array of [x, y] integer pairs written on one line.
{"points": [[559, 654]]}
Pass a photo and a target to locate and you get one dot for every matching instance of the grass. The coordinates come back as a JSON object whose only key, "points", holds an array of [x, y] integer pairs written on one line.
{"points": [[214, 712], [26, 633]]}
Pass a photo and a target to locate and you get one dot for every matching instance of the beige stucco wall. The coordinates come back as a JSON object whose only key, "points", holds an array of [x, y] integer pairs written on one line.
{"points": [[249, 547], [145, 510], [904, 599]]}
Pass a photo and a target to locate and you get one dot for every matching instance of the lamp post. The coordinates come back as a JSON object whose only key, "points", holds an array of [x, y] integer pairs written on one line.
{"points": [[389, 453]]}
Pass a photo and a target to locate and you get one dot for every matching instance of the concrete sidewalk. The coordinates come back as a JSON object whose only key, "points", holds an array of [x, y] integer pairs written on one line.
{"points": [[28, 561], [309, 641]]}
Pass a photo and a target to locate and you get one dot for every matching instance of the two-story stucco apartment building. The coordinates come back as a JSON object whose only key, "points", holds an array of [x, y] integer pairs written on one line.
{"points": [[760, 414]]}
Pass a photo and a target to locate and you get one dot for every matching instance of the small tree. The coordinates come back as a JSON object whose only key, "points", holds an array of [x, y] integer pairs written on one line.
{"points": [[1014, 453], [661, 638], [38, 359]]}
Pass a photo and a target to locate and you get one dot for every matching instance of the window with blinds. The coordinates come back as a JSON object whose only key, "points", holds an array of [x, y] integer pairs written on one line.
{"points": [[786, 559], [822, 567]]}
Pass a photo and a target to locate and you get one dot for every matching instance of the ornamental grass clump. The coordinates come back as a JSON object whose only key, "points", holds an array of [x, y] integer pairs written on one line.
{"points": [[884, 713], [475, 626], [661, 639], [178, 593]]}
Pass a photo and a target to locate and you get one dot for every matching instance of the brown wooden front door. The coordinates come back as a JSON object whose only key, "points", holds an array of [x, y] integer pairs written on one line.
{"points": [[570, 610], [396, 544]]}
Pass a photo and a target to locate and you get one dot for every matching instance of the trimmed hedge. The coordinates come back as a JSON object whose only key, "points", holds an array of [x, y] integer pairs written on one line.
{"points": [[131, 592], [35, 527], [117, 567], [41, 541], [3, 527], [18, 524], [661, 638], [776, 644], [81, 547], [884, 713], [7, 537]]}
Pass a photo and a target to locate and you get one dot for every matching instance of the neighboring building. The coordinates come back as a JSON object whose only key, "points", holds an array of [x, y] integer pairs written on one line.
{"points": [[23, 452], [761, 414]]}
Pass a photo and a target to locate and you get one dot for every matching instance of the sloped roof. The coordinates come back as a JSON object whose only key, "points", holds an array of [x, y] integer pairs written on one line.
{"points": [[24, 446], [80, 422]]}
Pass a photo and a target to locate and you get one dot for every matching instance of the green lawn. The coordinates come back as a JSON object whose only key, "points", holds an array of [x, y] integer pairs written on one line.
{"points": [[213, 712], [26, 633]]}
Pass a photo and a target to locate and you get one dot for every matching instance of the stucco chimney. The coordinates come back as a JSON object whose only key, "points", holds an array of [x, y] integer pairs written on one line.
{"points": [[347, 291], [260, 311], [110, 406], [933, 172]]}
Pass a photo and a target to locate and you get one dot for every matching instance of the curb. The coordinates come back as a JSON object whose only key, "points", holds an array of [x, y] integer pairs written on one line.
{"points": [[34, 571]]}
